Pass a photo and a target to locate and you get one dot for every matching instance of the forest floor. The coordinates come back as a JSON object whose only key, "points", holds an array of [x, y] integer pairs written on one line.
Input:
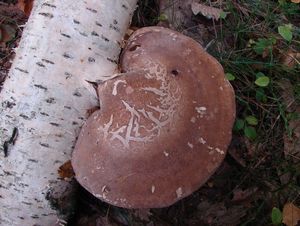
{"points": [[258, 44]]}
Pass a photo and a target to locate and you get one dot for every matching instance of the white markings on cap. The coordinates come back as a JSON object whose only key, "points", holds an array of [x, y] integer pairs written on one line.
{"points": [[210, 168], [187, 52], [179, 192], [116, 83], [99, 167], [193, 120], [166, 154], [190, 145], [153, 189], [202, 141], [201, 111], [220, 151], [174, 36], [104, 188], [138, 126], [129, 90], [98, 196], [122, 200], [106, 127]]}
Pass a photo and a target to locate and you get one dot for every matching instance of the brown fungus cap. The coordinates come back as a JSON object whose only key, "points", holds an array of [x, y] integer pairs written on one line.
{"points": [[164, 125]]}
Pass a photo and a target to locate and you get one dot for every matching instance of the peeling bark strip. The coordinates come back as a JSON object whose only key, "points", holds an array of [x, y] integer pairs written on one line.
{"points": [[43, 106]]}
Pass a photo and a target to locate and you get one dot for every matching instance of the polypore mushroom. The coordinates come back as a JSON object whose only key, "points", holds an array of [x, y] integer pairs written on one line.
{"points": [[164, 125]]}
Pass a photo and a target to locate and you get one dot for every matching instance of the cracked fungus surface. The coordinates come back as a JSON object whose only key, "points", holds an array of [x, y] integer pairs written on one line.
{"points": [[163, 127]]}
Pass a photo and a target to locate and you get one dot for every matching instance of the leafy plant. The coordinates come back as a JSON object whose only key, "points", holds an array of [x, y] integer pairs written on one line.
{"points": [[262, 81], [260, 95], [223, 15], [286, 32], [162, 17], [250, 132], [239, 124], [247, 125], [251, 120], [230, 77], [263, 44], [276, 216]]}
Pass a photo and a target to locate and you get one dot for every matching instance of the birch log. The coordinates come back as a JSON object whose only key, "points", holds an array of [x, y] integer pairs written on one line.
{"points": [[46, 95]]}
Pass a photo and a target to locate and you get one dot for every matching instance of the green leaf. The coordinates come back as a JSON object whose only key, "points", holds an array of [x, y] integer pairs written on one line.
{"points": [[293, 116], [163, 17], [286, 32], [223, 15], [282, 2], [251, 120], [262, 81], [262, 44], [260, 95], [250, 132], [230, 77], [276, 216], [239, 124], [259, 74]]}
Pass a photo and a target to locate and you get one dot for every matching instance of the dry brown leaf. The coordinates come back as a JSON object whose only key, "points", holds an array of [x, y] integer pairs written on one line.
{"points": [[290, 58], [178, 13], [12, 12], [25, 6], [128, 33], [251, 147], [291, 143], [180, 18], [287, 95], [65, 171], [207, 11], [295, 1], [240, 195], [291, 214], [220, 214], [7, 33], [241, 8]]}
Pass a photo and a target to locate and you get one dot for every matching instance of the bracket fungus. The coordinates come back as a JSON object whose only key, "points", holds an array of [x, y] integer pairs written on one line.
{"points": [[164, 124]]}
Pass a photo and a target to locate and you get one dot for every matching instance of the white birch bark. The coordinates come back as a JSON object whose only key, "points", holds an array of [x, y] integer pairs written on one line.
{"points": [[46, 96]]}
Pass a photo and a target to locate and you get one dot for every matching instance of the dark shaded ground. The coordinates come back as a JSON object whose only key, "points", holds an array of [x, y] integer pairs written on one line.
{"points": [[257, 174], [11, 21]]}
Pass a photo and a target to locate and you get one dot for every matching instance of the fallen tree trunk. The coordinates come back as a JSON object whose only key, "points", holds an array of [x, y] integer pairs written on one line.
{"points": [[46, 96]]}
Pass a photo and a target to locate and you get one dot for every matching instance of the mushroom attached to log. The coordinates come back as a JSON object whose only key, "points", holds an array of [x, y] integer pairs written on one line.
{"points": [[163, 127]]}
